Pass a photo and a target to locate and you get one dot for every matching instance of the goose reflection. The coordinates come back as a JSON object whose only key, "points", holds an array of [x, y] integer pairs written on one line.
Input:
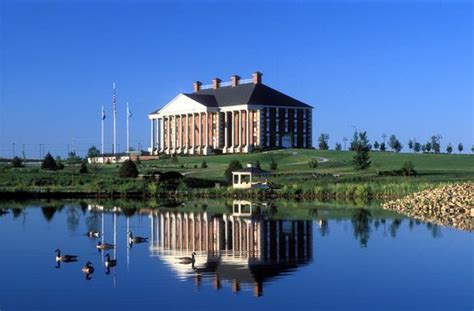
{"points": [[64, 258], [88, 270], [242, 249]]}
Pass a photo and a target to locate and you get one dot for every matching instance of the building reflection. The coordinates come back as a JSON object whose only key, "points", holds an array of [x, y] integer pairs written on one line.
{"points": [[242, 249]]}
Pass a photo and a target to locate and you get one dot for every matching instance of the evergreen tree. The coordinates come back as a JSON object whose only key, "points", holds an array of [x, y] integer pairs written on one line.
{"points": [[382, 147], [93, 152], [417, 147], [376, 145], [83, 169], [460, 147], [428, 147], [338, 147], [435, 143], [17, 162], [395, 144], [323, 141], [361, 159], [49, 163], [204, 164], [355, 138]]}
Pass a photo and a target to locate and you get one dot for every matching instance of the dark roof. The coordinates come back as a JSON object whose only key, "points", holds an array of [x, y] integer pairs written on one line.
{"points": [[245, 94]]}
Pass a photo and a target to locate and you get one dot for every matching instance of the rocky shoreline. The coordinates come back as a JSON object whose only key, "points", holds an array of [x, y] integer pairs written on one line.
{"points": [[450, 205]]}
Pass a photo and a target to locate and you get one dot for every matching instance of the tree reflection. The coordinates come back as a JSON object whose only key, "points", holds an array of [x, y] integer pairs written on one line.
{"points": [[394, 227], [72, 218], [48, 212], [16, 212], [360, 223]]}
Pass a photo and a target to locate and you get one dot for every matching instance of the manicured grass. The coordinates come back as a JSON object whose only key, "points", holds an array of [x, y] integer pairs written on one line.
{"points": [[293, 177]]}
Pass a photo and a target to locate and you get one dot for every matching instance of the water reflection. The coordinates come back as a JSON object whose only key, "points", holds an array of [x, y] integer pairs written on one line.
{"points": [[239, 249]]}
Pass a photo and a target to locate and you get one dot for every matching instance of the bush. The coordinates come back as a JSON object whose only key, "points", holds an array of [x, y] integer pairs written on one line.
{"points": [[313, 163], [408, 169], [233, 166], [60, 165], [17, 162], [83, 169], [273, 165], [49, 163], [204, 164], [128, 170], [174, 159]]}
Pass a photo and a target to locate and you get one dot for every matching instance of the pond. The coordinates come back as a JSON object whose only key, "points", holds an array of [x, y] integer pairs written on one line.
{"points": [[280, 256]]}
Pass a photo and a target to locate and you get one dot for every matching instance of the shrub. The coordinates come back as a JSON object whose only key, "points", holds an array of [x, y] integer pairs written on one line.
{"points": [[17, 162], [273, 165], [60, 165], [49, 163], [204, 164], [233, 166], [313, 163], [174, 159], [83, 169], [408, 169], [128, 170]]}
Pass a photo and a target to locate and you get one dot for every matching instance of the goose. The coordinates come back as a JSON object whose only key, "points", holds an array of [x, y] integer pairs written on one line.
{"points": [[109, 263], [88, 269], [93, 234], [135, 239], [187, 260], [101, 245], [65, 258]]}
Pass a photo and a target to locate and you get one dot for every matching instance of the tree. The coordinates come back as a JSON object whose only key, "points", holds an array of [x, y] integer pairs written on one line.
{"points": [[449, 148], [17, 162], [338, 147], [93, 152], [361, 159], [395, 144], [49, 163], [428, 147], [423, 148], [417, 147], [355, 138], [273, 165], [234, 165], [382, 147], [204, 164], [83, 169], [472, 149], [408, 169], [435, 143], [313, 163], [460, 147], [257, 164], [376, 145], [323, 141], [128, 169], [73, 158]]}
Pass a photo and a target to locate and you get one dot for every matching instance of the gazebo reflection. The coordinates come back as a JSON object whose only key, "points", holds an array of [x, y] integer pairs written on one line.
{"points": [[242, 249]]}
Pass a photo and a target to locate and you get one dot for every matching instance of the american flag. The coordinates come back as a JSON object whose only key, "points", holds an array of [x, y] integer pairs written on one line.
{"points": [[114, 100], [103, 113]]}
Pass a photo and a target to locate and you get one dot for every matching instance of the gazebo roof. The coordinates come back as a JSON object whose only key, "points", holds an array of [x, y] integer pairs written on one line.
{"points": [[251, 170]]}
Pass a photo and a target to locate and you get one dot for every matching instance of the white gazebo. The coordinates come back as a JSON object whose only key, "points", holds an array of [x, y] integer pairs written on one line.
{"points": [[249, 177]]}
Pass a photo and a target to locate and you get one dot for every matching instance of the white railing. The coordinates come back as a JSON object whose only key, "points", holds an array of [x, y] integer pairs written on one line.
{"points": [[227, 83]]}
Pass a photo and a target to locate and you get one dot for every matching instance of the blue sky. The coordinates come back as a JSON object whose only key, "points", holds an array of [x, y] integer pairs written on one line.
{"points": [[401, 67]]}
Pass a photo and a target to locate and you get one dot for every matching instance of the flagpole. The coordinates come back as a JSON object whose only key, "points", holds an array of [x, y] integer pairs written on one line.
{"points": [[128, 130], [114, 101], [102, 131]]}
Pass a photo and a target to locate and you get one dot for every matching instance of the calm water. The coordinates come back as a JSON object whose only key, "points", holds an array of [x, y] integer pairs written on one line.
{"points": [[247, 256]]}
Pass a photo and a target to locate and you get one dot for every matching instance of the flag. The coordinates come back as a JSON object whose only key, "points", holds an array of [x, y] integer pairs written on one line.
{"points": [[129, 112], [103, 114]]}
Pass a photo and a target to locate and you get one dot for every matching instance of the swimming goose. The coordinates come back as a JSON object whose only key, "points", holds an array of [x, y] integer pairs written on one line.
{"points": [[187, 260], [65, 258], [93, 234], [88, 269], [135, 239], [101, 245], [109, 263]]}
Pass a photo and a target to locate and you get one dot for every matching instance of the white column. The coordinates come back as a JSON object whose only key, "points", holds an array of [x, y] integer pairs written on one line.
{"points": [[187, 132], [152, 138], [240, 130], [233, 130], [181, 132], [168, 133], [162, 137], [193, 135], [247, 131], [157, 137], [225, 132], [207, 131], [200, 132]]}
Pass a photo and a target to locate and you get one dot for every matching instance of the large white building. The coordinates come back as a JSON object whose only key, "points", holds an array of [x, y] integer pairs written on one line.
{"points": [[230, 117]]}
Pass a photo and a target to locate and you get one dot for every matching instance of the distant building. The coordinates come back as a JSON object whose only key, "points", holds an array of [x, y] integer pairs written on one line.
{"points": [[230, 117]]}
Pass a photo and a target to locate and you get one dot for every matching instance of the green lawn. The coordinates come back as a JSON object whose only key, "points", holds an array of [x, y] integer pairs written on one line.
{"points": [[292, 176]]}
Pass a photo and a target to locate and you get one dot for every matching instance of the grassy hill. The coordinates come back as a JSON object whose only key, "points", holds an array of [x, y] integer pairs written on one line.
{"points": [[293, 176]]}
